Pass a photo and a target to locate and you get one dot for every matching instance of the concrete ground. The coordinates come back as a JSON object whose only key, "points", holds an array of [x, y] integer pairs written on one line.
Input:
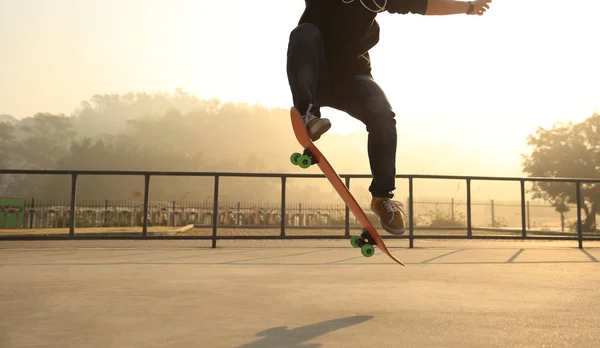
{"points": [[298, 294]]}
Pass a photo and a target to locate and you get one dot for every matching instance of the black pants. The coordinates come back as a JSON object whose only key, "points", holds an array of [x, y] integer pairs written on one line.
{"points": [[360, 96]]}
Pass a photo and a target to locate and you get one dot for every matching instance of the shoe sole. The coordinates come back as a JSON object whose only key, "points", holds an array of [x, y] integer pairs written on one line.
{"points": [[316, 132], [396, 232]]}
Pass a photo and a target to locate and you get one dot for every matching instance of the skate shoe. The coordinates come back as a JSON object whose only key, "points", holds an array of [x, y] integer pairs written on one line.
{"points": [[391, 214], [316, 126]]}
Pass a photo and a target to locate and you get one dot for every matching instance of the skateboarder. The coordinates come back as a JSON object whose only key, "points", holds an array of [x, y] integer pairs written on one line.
{"points": [[328, 64]]}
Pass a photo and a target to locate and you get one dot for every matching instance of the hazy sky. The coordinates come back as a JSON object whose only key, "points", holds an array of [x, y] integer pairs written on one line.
{"points": [[472, 81]]}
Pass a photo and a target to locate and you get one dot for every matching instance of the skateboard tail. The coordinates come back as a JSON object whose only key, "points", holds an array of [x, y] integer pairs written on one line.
{"points": [[337, 183]]}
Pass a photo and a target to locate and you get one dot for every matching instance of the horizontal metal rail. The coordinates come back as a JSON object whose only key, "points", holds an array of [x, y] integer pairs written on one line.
{"points": [[284, 176], [290, 175]]}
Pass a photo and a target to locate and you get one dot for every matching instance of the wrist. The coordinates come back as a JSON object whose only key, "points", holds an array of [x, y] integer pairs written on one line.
{"points": [[471, 7]]}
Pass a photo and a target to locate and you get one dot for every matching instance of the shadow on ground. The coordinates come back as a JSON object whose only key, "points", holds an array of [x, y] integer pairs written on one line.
{"points": [[282, 337]]}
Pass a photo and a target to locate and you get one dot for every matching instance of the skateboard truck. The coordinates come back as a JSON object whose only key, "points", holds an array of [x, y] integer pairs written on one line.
{"points": [[365, 242], [304, 160]]}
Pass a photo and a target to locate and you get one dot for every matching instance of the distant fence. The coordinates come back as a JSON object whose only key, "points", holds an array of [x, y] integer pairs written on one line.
{"points": [[41, 214], [514, 219]]}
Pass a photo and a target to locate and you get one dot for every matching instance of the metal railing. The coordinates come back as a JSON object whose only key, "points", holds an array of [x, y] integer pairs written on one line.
{"points": [[217, 175]]}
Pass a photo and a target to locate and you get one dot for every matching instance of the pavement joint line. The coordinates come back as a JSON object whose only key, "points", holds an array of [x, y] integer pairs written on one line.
{"points": [[514, 257], [589, 255], [273, 257], [110, 256], [202, 255], [29, 256], [440, 256], [338, 261]]}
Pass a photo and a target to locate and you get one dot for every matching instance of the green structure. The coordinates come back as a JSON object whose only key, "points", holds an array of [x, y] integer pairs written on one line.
{"points": [[11, 212]]}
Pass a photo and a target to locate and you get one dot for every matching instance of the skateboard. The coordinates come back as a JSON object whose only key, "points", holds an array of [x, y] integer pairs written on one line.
{"points": [[311, 155]]}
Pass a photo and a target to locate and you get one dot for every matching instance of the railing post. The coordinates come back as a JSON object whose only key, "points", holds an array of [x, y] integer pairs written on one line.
{"points": [[523, 212], [73, 199], [146, 193], [411, 214], [283, 189], [579, 222], [215, 212], [31, 212], [173, 214], [347, 222], [469, 227], [493, 217], [106, 211], [529, 217]]}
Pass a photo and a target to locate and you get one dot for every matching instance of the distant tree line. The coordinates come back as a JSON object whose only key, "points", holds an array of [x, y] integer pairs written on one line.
{"points": [[180, 132], [146, 132]]}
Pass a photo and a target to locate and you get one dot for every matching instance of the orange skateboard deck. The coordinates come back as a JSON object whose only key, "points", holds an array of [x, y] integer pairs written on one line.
{"points": [[311, 156]]}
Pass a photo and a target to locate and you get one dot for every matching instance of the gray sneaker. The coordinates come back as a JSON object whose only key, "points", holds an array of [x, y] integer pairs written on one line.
{"points": [[316, 126]]}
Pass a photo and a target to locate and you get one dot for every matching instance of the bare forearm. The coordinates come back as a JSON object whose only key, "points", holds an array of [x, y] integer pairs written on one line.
{"points": [[446, 7]]}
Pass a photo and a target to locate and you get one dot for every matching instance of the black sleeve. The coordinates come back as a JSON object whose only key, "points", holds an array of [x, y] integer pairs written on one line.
{"points": [[407, 6]]}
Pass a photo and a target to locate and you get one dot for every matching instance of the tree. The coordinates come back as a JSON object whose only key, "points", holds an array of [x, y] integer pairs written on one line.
{"points": [[571, 150], [37, 142], [7, 145], [109, 114], [45, 139]]}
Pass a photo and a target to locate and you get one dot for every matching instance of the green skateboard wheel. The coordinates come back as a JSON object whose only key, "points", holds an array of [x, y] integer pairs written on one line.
{"points": [[294, 158], [354, 241], [304, 161], [367, 250]]}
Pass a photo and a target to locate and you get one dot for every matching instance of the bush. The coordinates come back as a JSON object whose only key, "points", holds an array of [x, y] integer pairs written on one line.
{"points": [[441, 218]]}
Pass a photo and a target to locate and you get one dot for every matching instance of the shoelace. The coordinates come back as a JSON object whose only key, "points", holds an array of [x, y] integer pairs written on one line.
{"points": [[392, 206], [307, 117]]}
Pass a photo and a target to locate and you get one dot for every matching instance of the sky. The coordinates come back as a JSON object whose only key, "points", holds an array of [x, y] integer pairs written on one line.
{"points": [[472, 82]]}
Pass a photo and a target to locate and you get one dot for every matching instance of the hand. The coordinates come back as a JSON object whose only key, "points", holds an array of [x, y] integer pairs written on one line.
{"points": [[480, 6]]}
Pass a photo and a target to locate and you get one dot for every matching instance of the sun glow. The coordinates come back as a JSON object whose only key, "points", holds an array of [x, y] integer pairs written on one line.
{"points": [[476, 82]]}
